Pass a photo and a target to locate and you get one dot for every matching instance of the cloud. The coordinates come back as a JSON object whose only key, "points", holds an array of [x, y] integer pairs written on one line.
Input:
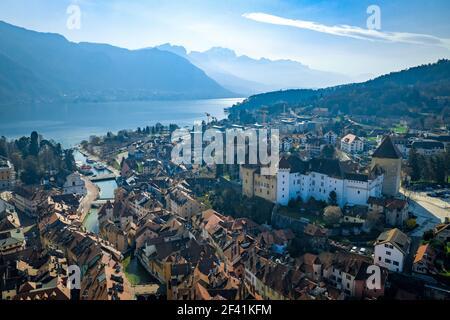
{"points": [[351, 31]]}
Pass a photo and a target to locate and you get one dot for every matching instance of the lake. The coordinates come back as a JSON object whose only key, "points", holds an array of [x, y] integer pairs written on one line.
{"points": [[69, 124]]}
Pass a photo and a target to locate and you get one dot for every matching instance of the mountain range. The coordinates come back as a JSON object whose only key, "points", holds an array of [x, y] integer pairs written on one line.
{"points": [[413, 92], [37, 66], [247, 76]]}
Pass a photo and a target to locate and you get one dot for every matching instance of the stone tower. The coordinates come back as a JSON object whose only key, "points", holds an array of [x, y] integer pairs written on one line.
{"points": [[389, 159]]}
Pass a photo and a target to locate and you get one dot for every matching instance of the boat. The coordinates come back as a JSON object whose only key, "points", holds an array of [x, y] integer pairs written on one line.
{"points": [[88, 160], [86, 170], [99, 167]]}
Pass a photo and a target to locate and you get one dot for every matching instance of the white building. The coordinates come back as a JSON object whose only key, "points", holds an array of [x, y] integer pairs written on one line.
{"points": [[391, 250], [352, 144], [330, 137], [7, 174], [75, 185], [318, 178], [428, 148]]}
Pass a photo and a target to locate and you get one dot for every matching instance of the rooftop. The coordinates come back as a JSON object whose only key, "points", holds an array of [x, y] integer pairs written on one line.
{"points": [[387, 150]]}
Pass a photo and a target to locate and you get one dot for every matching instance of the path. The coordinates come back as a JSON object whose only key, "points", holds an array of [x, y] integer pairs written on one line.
{"points": [[92, 195]]}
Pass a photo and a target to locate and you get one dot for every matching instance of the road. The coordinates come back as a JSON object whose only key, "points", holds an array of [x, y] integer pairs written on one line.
{"points": [[429, 211]]}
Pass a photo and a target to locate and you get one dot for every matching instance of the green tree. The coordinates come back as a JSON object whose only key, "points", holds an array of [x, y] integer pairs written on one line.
{"points": [[333, 198], [34, 144], [30, 174], [414, 163], [328, 152]]}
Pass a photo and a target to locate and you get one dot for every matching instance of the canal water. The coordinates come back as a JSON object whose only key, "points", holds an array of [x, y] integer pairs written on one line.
{"points": [[107, 189], [135, 273]]}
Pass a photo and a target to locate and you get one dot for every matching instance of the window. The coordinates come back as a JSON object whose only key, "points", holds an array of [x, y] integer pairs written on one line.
{"points": [[388, 253], [349, 277], [395, 263], [387, 260]]}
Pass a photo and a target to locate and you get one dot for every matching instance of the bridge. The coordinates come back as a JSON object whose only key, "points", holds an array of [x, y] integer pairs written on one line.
{"points": [[103, 177]]}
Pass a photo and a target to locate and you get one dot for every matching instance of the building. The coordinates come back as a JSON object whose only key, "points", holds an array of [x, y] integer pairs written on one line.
{"points": [[316, 178], [352, 144], [424, 260], [75, 185], [27, 200], [441, 232], [428, 147], [396, 211], [7, 174], [330, 137], [256, 185], [391, 250], [11, 241], [389, 159], [181, 202]]}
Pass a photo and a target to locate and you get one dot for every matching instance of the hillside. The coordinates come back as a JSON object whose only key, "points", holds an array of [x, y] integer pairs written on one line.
{"points": [[38, 66], [422, 89]]}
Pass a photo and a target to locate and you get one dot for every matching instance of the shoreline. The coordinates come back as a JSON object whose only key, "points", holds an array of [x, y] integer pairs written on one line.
{"points": [[97, 159]]}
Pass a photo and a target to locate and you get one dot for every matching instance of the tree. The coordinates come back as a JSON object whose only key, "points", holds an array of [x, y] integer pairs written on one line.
{"points": [[332, 214], [3, 147], [292, 203], [34, 144], [375, 221], [333, 198], [428, 235], [414, 163], [30, 174], [439, 169], [328, 152]]}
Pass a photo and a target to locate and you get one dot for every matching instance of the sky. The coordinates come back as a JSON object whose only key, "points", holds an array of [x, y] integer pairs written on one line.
{"points": [[325, 35]]}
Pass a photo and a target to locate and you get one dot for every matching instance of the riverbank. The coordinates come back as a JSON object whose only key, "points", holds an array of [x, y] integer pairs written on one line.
{"points": [[97, 159], [93, 193]]}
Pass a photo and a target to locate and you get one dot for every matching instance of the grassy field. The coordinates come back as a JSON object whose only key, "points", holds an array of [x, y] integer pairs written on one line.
{"points": [[400, 129]]}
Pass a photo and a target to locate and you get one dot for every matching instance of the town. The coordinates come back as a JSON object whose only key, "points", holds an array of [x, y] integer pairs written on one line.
{"points": [[346, 196]]}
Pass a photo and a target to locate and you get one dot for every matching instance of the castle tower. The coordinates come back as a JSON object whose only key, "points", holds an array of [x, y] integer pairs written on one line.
{"points": [[389, 159]]}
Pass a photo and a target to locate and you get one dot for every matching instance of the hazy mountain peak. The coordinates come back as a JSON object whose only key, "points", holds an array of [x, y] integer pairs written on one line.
{"points": [[179, 50], [220, 52], [241, 73]]}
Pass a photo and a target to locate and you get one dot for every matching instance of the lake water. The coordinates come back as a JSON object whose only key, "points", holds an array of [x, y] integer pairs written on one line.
{"points": [[71, 123]]}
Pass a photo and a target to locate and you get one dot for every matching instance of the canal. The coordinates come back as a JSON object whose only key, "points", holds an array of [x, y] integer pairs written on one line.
{"points": [[135, 273]]}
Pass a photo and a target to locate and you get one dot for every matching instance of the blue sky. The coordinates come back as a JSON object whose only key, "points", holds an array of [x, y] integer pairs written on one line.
{"points": [[412, 32]]}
